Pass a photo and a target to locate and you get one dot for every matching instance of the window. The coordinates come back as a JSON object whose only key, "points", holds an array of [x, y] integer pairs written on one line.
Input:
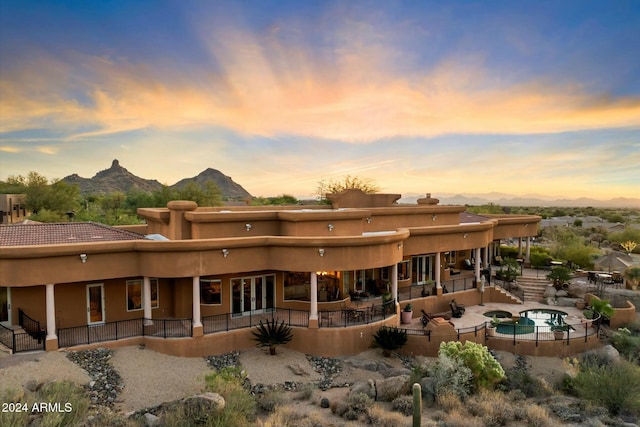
{"points": [[134, 294], [297, 285], [210, 291], [404, 270]]}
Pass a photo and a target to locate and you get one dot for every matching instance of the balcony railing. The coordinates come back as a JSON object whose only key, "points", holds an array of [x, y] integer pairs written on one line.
{"points": [[20, 341], [356, 315], [227, 321]]}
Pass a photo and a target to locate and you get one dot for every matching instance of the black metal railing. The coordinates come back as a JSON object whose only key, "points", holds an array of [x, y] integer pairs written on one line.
{"points": [[448, 286], [228, 321], [20, 341], [113, 331], [356, 315], [30, 326]]}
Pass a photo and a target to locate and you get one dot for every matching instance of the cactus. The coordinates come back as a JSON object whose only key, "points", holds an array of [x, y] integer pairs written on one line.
{"points": [[417, 405]]}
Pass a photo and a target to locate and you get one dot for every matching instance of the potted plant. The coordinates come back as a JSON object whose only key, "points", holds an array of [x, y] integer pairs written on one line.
{"points": [[492, 326], [580, 304], [559, 330], [407, 314], [272, 334], [602, 310]]}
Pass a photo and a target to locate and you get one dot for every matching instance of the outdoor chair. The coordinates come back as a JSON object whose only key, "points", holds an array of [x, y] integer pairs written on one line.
{"points": [[456, 310]]}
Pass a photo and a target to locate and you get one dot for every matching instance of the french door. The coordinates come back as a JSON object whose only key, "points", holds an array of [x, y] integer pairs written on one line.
{"points": [[421, 268], [5, 306], [252, 294], [95, 304]]}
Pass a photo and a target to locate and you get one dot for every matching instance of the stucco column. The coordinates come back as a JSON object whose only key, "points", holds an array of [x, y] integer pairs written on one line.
{"points": [[519, 247], [527, 250], [146, 292], [438, 268], [477, 265], [313, 312], [51, 312], [197, 322], [487, 258], [394, 283]]}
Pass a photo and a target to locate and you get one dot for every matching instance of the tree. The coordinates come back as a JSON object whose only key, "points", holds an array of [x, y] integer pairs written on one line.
{"points": [[484, 367], [632, 274], [58, 197], [559, 276], [347, 182]]}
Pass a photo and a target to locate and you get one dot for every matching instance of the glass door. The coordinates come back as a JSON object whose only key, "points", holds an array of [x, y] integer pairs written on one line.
{"points": [[255, 294], [421, 267], [95, 304], [5, 306]]}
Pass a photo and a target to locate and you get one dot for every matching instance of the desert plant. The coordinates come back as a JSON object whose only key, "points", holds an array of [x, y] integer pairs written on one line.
{"points": [[403, 404], [484, 367], [408, 308], [269, 400], [380, 417], [559, 276], [240, 406], [627, 344], [537, 416], [448, 377], [417, 405], [616, 386], [390, 339], [355, 405], [602, 307], [272, 334]]}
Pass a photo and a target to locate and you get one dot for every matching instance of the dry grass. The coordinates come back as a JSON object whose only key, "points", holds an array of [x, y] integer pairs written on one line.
{"points": [[380, 417], [457, 418], [449, 402], [537, 416]]}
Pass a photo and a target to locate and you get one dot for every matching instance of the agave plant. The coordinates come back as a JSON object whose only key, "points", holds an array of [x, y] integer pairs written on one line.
{"points": [[390, 339], [271, 334]]}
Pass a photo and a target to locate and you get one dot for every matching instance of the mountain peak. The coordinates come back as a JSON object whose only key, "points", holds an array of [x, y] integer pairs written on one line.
{"points": [[115, 164]]}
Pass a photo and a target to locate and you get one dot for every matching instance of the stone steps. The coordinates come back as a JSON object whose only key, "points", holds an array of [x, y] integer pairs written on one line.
{"points": [[533, 288]]}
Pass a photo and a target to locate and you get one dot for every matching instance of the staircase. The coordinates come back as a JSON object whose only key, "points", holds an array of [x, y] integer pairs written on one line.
{"points": [[507, 296], [533, 287]]}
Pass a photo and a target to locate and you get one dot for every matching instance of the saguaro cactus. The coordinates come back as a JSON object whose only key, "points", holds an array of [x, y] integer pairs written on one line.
{"points": [[417, 405]]}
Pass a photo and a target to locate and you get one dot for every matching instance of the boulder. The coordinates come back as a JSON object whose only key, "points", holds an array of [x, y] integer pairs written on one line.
{"points": [[151, 420], [393, 372], [608, 352], [206, 402], [368, 388], [298, 369], [566, 302], [562, 293], [392, 387], [550, 301], [550, 292], [369, 365]]}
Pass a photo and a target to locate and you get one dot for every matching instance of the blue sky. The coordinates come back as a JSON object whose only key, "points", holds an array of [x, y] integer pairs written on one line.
{"points": [[527, 97]]}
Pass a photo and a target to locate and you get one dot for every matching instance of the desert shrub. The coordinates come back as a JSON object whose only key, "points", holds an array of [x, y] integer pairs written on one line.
{"points": [[240, 406], [380, 417], [458, 418], [355, 405], [522, 380], [403, 404], [305, 392], [269, 400], [537, 416], [615, 386], [284, 416], [627, 344], [492, 407], [390, 339], [62, 392], [448, 376], [449, 401], [485, 369]]}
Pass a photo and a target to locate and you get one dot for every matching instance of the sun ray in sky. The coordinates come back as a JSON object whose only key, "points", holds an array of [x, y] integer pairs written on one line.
{"points": [[419, 96]]}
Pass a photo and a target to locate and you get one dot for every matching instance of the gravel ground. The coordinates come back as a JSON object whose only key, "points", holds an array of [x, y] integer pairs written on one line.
{"points": [[152, 378]]}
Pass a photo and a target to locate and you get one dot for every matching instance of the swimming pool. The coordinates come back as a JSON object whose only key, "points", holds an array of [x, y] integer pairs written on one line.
{"points": [[528, 321], [545, 317]]}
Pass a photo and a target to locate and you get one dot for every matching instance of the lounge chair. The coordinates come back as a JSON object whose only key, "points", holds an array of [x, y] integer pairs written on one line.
{"points": [[456, 309]]}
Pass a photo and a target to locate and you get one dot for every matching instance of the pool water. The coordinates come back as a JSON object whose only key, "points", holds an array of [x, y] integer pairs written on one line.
{"points": [[544, 317], [528, 321]]}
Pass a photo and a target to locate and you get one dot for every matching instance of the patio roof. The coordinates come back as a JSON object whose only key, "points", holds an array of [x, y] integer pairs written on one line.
{"points": [[34, 234]]}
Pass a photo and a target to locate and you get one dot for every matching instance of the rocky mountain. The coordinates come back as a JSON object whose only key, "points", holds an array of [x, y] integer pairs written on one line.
{"points": [[228, 187], [117, 178], [503, 199]]}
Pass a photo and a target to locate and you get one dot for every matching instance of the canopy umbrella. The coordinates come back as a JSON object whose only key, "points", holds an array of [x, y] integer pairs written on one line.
{"points": [[616, 261]]}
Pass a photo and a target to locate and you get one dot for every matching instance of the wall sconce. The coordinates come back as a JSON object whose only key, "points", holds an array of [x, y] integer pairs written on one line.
{"points": [[330, 227], [225, 253], [526, 225], [465, 235], [321, 252], [248, 226], [369, 219], [399, 245], [83, 258], [434, 217]]}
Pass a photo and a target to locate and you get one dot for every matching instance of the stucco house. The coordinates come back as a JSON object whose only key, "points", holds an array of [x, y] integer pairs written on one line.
{"points": [[192, 280]]}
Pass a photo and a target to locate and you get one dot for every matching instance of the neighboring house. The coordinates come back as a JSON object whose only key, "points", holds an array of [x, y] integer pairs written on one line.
{"points": [[207, 273], [13, 208]]}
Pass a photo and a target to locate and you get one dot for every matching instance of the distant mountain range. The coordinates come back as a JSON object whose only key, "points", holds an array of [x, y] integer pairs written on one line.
{"points": [[117, 178], [504, 199]]}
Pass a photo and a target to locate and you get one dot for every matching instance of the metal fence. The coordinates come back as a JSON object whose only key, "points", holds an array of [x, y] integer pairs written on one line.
{"points": [[20, 341], [228, 321], [113, 331], [356, 315], [448, 286]]}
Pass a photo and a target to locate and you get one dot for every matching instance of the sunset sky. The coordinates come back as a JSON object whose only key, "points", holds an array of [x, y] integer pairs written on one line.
{"points": [[524, 97]]}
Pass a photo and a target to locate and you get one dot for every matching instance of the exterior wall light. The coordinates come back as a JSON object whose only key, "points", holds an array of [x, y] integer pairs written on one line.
{"points": [[248, 226], [434, 217], [321, 252], [399, 245], [225, 253], [465, 235], [369, 219], [83, 258], [330, 227]]}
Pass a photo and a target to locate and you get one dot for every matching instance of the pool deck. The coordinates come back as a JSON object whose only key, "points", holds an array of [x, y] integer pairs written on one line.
{"points": [[474, 315]]}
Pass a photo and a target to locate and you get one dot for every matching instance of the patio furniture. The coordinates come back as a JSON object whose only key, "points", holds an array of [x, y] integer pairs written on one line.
{"points": [[457, 310]]}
